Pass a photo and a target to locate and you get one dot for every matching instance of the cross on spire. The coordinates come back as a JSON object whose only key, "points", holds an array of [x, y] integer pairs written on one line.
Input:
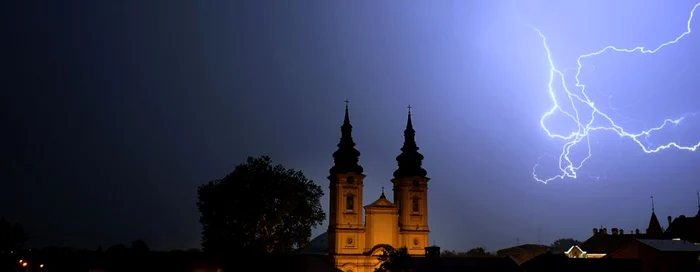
{"points": [[346, 103], [652, 203], [409, 109], [382, 189]]}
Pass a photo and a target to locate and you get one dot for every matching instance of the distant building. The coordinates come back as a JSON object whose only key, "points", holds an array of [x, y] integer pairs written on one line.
{"points": [[684, 228], [661, 255], [434, 262], [602, 242], [560, 262], [576, 252], [523, 253], [354, 242]]}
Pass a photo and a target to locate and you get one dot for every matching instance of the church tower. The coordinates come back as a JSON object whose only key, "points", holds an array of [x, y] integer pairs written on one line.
{"points": [[346, 225], [411, 194]]}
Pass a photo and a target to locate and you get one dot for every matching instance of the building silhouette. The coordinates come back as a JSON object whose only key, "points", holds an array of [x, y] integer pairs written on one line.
{"points": [[603, 242], [353, 240], [684, 227]]}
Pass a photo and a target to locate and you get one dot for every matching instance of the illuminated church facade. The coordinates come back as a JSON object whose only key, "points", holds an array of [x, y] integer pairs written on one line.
{"points": [[355, 241]]}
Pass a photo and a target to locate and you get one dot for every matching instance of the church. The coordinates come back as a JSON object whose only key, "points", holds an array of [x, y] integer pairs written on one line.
{"points": [[353, 241]]}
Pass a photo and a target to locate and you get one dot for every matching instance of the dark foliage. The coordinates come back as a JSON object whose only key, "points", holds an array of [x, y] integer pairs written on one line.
{"points": [[12, 236], [478, 252], [259, 208], [395, 260], [474, 252], [564, 244], [452, 253], [118, 249], [139, 246]]}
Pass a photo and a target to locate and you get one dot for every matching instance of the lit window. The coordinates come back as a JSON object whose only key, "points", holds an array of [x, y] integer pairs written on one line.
{"points": [[350, 203], [415, 204]]}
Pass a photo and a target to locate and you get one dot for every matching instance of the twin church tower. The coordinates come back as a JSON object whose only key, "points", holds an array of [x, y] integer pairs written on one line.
{"points": [[354, 241]]}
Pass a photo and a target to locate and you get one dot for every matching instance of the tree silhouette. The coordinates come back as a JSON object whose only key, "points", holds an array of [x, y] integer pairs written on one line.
{"points": [[116, 250], [12, 236], [478, 252], [449, 253], [564, 244], [138, 246], [395, 260], [259, 208], [454, 253]]}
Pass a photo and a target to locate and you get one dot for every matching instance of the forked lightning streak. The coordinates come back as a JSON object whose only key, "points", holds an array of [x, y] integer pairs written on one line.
{"points": [[578, 101]]}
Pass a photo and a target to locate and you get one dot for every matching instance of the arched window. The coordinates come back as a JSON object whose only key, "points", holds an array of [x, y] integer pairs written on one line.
{"points": [[416, 204], [350, 202]]}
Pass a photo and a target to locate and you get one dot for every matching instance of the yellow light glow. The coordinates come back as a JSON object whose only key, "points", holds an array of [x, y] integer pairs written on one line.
{"points": [[21, 261], [41, 265], [24, 264]]}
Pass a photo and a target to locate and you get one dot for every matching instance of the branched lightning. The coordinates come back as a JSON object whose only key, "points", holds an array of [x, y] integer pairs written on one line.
{"points": [[568, 167]]}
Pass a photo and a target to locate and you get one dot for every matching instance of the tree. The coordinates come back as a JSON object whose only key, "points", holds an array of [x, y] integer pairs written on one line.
{"points": [[564, 244], [449, 253], [395, 260], [474, 252], [12, 236], [116, 250], [139, 246], [259, 208], [478, 252]]}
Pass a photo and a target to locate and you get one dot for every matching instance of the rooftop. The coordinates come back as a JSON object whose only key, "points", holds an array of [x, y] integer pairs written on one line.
{"points": [[671, 245]]}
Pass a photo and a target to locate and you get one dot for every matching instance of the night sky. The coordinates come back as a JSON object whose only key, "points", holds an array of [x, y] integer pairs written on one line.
{"points": [[114, 112]]}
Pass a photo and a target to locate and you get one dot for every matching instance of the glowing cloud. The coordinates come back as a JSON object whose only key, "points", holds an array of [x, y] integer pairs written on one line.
{"points": [[598, 120]]}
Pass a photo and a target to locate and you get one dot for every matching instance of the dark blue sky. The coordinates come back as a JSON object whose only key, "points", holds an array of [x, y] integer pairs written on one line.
{"points": [[114, 113]]}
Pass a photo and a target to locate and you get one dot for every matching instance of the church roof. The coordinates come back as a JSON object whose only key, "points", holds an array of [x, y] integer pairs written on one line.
{"points": [[382, 202], [317, 245]]}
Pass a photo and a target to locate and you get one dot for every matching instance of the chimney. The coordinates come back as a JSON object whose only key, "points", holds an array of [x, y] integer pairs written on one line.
{"points": [[595, 231], [669, 220], [432, 251], [614, 231], [636, 231], [622, 232]]}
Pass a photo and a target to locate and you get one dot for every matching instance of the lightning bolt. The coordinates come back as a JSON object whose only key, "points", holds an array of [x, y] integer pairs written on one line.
{"points": [[567, 167]]}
